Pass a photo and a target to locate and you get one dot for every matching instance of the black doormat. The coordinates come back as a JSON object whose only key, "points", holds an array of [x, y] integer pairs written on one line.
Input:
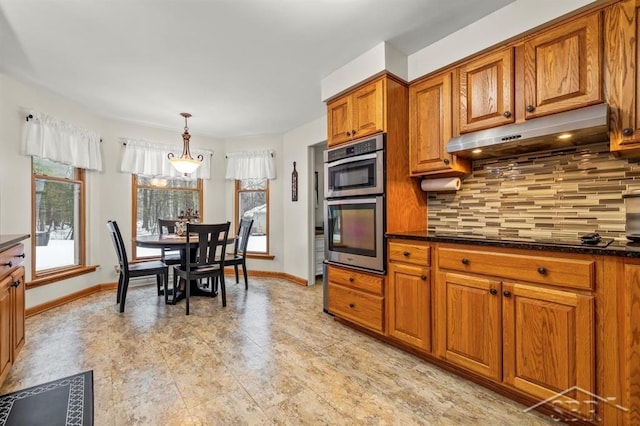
{"points": [[64, 402]]}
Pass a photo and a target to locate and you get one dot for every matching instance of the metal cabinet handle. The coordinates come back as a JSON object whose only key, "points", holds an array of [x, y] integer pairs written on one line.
{"points": [[348, 133], [506, 293], [352, 305], [465, 261], [530, 108], [9, 264], [507, 114], [16, 283], [627, 131], [351, 279], [446, 161], [353, 132], [21, 255], [493, 291], [542, 270], [406, 254], [423, 277]]}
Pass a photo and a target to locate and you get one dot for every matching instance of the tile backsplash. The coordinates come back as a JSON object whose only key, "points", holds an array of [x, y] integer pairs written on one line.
{"points": [[556, 194]]}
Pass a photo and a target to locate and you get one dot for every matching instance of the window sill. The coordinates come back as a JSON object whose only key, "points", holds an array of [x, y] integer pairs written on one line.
{"points": [[260, 256], [62, 275]]}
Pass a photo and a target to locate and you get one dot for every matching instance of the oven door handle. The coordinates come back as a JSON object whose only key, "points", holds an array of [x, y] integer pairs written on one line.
{"points": [[353, 159]]}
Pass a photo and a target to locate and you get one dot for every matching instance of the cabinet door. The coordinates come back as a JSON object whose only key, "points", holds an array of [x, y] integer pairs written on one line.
{"points": [[339, 120], [548, 344], [368, 110], [471, 329], [5, 327], [409, 305], [18, 305], [562, 68], [621, 77], [486, 91], [430, 116]]}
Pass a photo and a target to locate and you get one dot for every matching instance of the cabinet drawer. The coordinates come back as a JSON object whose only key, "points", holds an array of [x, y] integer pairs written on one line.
{"points": [[357, 280], [567, 272], [415, 253], [11, 258], [357, 306]]}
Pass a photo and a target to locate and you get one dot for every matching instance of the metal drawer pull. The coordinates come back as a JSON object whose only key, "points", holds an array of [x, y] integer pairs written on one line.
{"points": [[406, 254], [351, 305], [465, 261], [423, 277], [542, 270], [9, 264], [351, 279], [506, 293], [493, 291], [16, 283], [21, 255]]}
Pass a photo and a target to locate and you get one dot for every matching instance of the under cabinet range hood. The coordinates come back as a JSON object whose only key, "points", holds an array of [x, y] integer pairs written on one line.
{"points": [[577, 127]]}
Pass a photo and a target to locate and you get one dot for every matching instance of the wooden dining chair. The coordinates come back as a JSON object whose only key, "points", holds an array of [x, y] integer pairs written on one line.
{"points": [[168, 256], [209, 261], [239, 255], [139, 269]]}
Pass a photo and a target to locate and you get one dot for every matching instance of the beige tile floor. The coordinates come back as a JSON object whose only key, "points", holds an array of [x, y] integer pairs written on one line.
{"points": [[270, 357]]}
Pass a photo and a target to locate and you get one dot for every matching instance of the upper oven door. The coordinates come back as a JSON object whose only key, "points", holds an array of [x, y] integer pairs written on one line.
{"points": [[353, 176]]}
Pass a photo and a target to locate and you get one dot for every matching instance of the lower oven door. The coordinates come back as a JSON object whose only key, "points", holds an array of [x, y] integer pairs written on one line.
{"points": [[354, 232]]}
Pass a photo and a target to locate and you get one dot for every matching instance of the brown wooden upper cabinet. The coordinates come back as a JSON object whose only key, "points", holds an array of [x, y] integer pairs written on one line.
{"points": [[430, 128], [356, 114], [622, 80], [562, 67], [487, 91]]}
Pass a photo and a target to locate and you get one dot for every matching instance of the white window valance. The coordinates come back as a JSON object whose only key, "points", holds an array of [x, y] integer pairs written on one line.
{"points": [[251, 165], [47, 137], [145, 158]]}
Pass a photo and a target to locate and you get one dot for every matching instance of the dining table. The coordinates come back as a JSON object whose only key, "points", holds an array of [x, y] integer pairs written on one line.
{"points": [[179, 242]]}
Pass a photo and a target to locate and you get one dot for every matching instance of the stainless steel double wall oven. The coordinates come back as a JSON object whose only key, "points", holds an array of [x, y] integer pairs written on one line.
{"points": [[354, 206]]}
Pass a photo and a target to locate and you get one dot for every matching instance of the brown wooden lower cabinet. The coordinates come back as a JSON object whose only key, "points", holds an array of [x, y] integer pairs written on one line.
{"points": [[357, 297], [409, 305], [12, 307], [470, 329]]}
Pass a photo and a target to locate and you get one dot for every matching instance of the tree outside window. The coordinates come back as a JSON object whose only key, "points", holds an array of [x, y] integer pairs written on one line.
{"points": [[161, 198], [252, 202], [57, 220]]}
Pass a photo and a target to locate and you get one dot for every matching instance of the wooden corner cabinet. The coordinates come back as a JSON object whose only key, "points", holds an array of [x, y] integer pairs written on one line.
{"points": [[12, 305], [357, 114]]}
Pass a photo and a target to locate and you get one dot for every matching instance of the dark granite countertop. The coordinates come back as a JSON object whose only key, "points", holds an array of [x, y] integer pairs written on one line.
{"points": [[8, 240], [616, 248]]}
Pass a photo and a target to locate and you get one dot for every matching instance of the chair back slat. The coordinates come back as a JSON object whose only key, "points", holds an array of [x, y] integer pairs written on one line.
{"points": [[243, 236], [118, 243], [166, 226], [212, 242]]}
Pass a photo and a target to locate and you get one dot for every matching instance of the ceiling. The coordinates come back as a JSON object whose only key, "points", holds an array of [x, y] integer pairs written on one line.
{"points": [[241, 67]]}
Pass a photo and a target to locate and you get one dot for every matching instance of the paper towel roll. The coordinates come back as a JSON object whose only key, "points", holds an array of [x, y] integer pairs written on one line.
{"points": [[437, 185]]}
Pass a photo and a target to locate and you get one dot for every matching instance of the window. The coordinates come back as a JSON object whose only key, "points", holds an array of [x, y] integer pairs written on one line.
{"points": [[252, 202], [161, 198], [57, 223]]}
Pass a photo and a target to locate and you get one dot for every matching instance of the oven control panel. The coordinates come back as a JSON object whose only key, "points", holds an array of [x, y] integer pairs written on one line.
{"points": [[354, 149]]}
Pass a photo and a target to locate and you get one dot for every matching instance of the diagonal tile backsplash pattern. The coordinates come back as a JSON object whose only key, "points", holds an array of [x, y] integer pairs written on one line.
{"points": [[556, 194]]}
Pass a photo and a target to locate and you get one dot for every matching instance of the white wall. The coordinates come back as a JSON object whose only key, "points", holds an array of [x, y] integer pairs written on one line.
{"points": [[108, 192], [299, 216], [276, 196]]}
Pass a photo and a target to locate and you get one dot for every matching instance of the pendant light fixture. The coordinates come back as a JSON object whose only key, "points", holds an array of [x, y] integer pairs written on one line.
{"points": [[185, 163]]}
